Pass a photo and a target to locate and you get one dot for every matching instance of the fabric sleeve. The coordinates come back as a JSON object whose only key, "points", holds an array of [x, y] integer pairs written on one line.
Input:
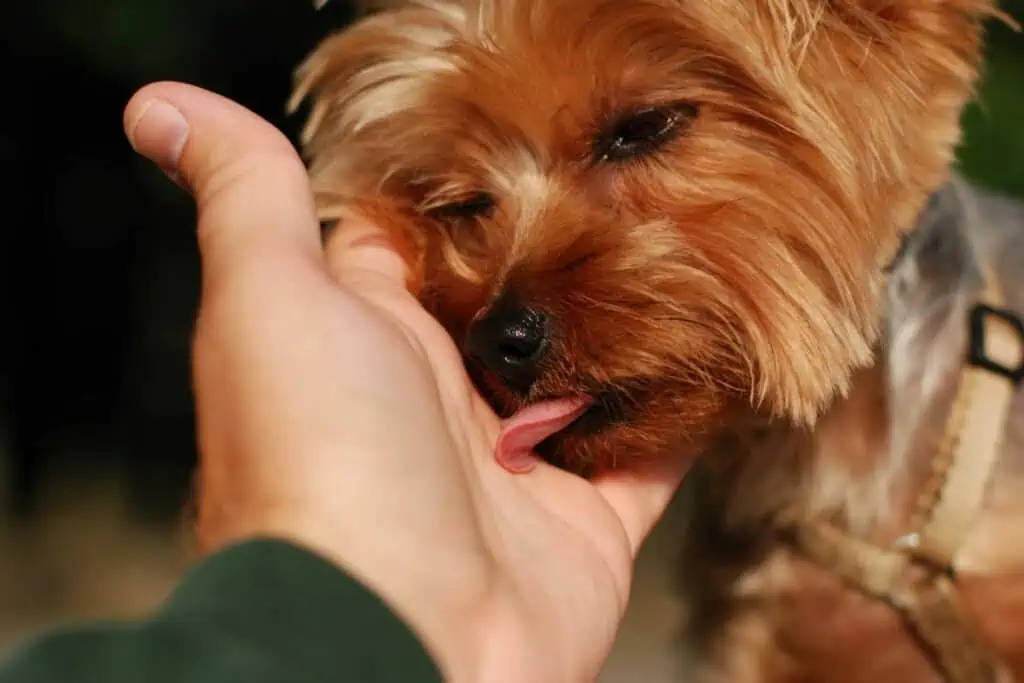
{"points": [[263, 611]]}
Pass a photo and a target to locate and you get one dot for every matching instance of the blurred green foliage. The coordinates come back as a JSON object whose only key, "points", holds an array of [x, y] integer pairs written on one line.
{"points": [[992, 151]]}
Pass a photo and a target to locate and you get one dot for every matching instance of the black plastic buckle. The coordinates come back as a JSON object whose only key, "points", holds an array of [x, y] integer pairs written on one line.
{"points": [[976, 351]]}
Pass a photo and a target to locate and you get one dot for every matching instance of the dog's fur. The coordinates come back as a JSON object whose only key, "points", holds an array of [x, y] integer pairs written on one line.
{"points": [[760, 613], [720, 293]]}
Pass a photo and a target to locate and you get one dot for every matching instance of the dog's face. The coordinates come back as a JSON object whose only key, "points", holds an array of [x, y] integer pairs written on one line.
{"points": [[672, 209]]}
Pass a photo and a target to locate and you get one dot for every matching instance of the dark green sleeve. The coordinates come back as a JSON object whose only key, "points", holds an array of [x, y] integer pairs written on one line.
{"points": [[260, 612]]}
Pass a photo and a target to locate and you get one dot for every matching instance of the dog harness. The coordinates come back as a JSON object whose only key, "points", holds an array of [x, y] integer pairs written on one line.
{"points": [[916, 576]]}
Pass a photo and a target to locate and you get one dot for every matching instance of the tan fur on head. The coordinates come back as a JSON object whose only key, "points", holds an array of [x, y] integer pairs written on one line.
{"points": [[734, 269]]}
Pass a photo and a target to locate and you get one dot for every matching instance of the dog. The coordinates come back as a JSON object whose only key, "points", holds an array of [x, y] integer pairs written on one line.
{"points": [[663, 229]]}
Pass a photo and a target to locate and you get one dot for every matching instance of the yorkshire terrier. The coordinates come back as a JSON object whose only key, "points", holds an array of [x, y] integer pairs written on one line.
{"points": [[660, 228]]}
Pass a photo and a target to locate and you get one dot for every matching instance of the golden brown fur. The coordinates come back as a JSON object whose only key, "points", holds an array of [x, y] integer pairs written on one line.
{"points": [[735, 271], [718, 295]]}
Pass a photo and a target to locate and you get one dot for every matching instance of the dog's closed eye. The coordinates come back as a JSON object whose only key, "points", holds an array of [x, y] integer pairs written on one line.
{"points": [[478, 205], [643, 132]]}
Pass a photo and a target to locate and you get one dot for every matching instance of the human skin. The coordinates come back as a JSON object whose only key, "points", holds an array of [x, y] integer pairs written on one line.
{"points": [[335, 413]]}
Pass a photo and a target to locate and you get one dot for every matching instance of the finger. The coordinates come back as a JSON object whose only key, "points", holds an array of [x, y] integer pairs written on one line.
{"points": [[250, 185], [640, 496], [359, 250]]}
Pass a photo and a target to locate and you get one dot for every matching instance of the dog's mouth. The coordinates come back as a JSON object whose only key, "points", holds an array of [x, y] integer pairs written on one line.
{"points": [[541, 427], [533, 430], [534, 424]]}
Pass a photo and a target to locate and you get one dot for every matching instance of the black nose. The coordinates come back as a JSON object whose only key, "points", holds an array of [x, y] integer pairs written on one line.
{"points": [[510, 341]]}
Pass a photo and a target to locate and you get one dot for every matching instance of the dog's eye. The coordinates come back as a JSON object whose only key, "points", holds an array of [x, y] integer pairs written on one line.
{"points": [[642, 132], [475, 206]]}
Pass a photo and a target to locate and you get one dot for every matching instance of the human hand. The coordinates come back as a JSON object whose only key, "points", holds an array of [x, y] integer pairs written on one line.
{"points": [[333, 411]]}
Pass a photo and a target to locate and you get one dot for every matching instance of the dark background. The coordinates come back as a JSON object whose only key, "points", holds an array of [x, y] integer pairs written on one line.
{"points": [[99, 265]]}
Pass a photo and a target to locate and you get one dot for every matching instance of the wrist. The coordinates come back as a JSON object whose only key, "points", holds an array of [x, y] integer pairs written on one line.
{"points": [[455, 613], [471, 621], [452, 609]]}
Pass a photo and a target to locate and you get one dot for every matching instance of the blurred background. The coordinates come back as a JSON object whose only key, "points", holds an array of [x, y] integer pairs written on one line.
{"points": [[100, 281]]}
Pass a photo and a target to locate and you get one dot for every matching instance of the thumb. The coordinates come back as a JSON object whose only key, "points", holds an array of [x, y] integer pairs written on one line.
{"points": [[641, 495], [250, 185]]}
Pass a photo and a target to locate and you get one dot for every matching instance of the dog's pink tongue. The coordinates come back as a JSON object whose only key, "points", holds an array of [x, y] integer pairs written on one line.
{"points": [[521, 433]]}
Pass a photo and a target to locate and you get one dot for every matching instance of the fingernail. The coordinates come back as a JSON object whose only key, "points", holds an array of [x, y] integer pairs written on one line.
{"points": [[159, 133]]}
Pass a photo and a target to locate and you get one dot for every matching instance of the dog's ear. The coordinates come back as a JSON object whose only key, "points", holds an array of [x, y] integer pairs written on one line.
{"points": [[365, 76], [371, 6], [878, 18], [372, 68], [366, 6], [890, 9], [939, 253]]}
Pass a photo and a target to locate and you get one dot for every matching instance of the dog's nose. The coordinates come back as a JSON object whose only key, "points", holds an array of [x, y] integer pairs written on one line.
{"points": [[510, 341]]}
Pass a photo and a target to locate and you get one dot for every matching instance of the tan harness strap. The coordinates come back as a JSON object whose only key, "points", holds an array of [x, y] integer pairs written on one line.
{"points": [[916, 576], [933, 613], [972, 443], [873, 569], [925, 599]]}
